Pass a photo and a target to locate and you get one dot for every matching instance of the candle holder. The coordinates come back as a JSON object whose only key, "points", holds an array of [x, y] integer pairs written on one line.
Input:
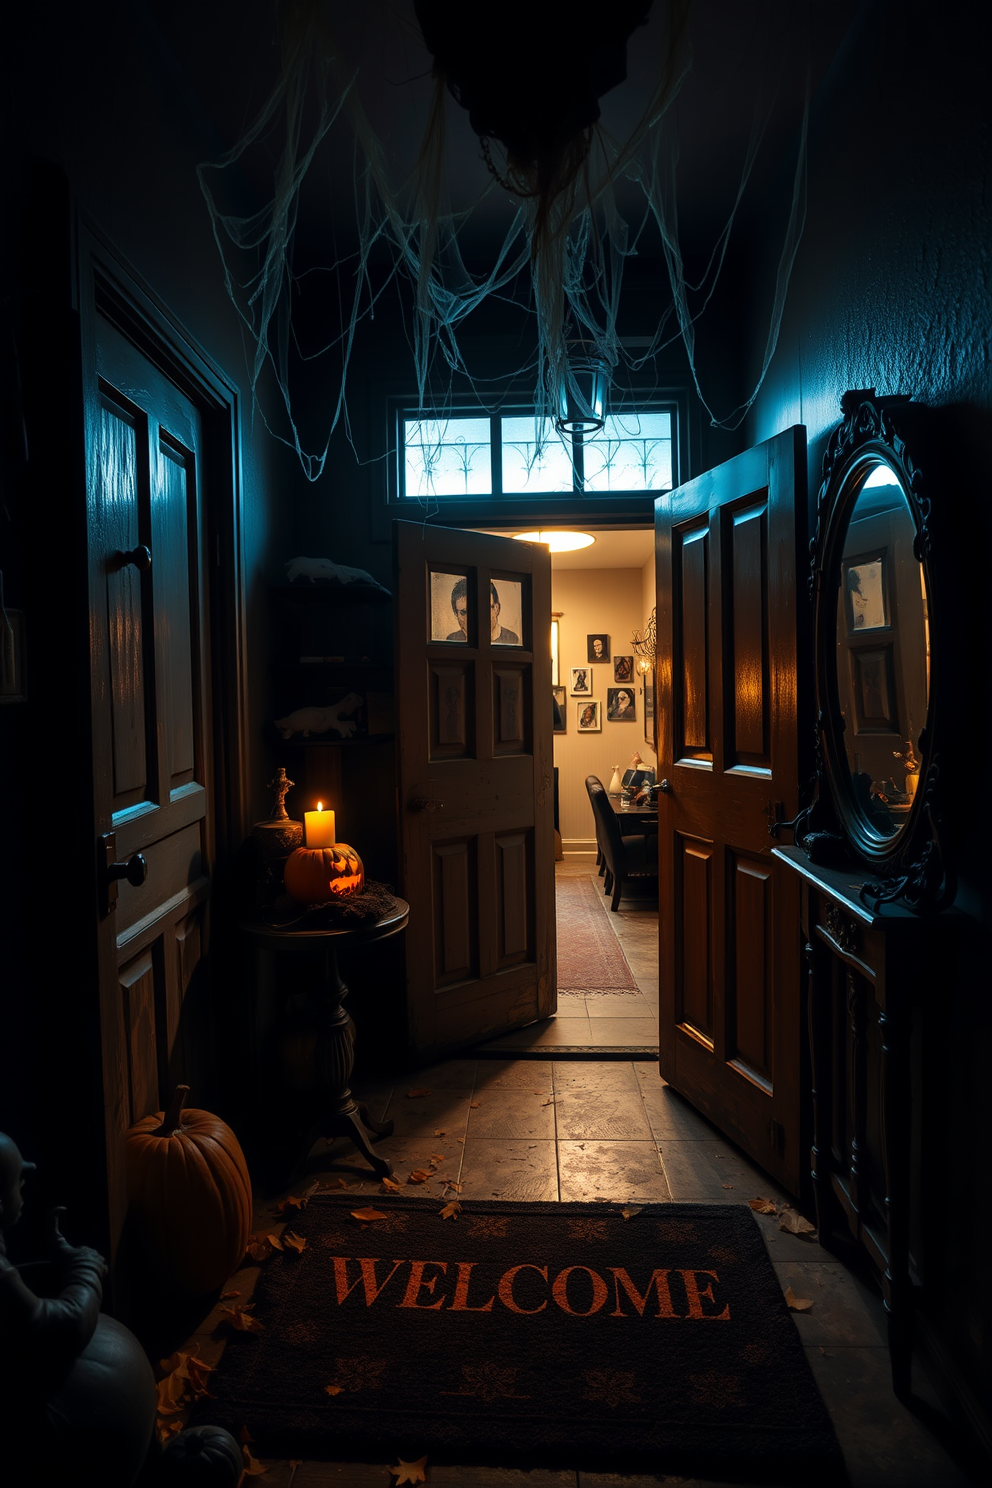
{"points": [[270, 844]]}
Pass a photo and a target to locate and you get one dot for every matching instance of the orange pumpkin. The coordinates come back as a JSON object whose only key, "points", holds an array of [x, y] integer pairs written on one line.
{"points": [[313, 875], [188, 1185]]}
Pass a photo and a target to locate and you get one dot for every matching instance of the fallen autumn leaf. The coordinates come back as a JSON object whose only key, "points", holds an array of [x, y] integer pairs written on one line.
{"points": [[451, 1210], [794, 1223], [762, 1206], [242, 1320], [798, 1304], [366, 1216], [410, 1472], [252, 1467], [416, 1094]]}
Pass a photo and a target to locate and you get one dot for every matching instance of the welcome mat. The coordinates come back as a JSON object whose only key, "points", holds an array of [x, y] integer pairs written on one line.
{"points": [[590, 958], [528, 1334]]}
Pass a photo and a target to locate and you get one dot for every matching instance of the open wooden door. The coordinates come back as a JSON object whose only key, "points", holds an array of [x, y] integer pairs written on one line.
{"points": [[476, 781], [729, 574], [152, 721]]}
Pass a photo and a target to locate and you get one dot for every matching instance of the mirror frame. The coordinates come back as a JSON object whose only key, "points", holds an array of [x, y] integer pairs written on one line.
{"points": [[911, 866]]}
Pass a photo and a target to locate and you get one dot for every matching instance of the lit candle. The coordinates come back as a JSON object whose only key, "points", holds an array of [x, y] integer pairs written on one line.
{"points": [[318, 827]]}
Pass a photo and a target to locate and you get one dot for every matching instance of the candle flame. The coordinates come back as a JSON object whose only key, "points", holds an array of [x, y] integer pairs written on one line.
{"points": [[320, 805]]}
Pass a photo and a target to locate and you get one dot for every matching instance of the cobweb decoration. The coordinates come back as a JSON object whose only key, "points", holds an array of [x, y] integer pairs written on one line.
{"points": [[571, 255]]}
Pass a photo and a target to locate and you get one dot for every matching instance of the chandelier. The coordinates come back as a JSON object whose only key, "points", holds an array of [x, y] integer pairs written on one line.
{"points": [[645, 644]]}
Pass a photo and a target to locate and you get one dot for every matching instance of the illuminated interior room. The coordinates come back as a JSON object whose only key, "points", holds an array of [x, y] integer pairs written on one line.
{"points": [[320, 323]]}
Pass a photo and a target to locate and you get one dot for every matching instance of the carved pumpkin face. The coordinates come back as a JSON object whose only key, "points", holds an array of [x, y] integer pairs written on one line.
{"points": [[313, 875]]}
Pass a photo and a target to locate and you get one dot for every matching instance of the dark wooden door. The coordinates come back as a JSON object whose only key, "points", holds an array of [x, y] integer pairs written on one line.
{"points": [[151, 724], [729, 586], [476, 783]]}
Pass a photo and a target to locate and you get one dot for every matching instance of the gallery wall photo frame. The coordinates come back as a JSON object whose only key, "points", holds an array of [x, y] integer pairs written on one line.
{"points": [[589, 717], [865, 581], [874, 690], [597, 647], [623, 668], [560, 711], [621, 706], [649, 710], [580, 681]]}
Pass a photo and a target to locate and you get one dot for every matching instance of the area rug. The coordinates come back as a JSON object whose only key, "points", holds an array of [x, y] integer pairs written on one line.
{"points": [[590, 958], [560, 1335]]}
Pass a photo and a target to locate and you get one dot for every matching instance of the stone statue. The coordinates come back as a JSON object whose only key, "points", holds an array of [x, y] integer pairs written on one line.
{"points": [[77, 1393]]}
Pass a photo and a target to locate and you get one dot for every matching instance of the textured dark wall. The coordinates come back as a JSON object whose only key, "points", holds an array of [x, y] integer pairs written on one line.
{"points": [[891, 291], [891, 285]]}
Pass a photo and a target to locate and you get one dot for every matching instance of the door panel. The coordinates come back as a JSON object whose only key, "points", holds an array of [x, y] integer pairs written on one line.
{"points": [[729, 545], [149, 676], [475, 752]]}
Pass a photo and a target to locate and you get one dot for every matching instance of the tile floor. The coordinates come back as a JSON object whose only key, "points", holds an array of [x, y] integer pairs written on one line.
{"points": [[584, 1129], [625, 1020]]}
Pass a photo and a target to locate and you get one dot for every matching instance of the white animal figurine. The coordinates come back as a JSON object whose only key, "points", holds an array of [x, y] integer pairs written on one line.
{"points": [[309, 721], [323, 568]]}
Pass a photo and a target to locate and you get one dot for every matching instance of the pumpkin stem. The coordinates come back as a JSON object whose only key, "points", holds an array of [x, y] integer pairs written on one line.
{"points": [[173, 1116]]}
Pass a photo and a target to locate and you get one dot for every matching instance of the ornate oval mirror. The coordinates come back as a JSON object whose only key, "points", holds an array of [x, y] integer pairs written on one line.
{"points": [[874, 685]]}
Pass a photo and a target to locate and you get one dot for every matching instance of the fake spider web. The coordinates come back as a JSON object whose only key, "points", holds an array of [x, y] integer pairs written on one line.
{"points": [[409, 234]]}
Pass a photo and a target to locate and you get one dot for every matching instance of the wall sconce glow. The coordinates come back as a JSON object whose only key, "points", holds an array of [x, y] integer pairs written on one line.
{"points": [[558, 542]]}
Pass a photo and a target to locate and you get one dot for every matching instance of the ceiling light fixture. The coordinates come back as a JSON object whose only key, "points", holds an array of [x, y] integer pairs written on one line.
{"points": [[558, 542]]}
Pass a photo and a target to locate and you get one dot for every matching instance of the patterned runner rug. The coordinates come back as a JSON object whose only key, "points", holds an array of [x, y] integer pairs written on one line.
{"points": [[590, 958], [564, 1335]]}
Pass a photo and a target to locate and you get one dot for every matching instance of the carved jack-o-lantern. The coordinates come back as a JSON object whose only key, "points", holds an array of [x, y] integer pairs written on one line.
{"points": [[313, 875]]}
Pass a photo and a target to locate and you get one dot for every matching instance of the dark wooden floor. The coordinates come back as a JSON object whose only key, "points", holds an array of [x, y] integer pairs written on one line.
{"points": [[614, 1130]]}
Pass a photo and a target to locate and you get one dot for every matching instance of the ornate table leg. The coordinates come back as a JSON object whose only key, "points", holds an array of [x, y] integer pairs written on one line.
{"points": [[318, 1058]]}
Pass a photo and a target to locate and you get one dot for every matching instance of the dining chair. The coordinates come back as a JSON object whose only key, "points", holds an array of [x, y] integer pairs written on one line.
{"points": [[626, 858]]}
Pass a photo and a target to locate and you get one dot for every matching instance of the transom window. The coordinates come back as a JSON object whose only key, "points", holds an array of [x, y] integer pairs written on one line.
{"points": [[467, 456]]}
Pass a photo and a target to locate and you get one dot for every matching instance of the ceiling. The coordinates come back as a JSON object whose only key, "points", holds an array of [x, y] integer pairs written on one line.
{"points": [[744, 51], [629, 548]]}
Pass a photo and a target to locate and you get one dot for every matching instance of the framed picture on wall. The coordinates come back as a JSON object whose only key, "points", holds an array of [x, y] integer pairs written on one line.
{"points": [[874, 690], [620, 705], [866, 592], [623, 668], [581, 681], [588, 719], [559, 706], [597, 647], [649, 709]]}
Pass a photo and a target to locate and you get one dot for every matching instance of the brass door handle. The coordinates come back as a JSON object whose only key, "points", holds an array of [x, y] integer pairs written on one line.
{"points": [[665, 785]]}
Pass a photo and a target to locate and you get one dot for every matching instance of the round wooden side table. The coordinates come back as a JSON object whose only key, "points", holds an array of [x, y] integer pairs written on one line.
{"points": [[316, 1040]]}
